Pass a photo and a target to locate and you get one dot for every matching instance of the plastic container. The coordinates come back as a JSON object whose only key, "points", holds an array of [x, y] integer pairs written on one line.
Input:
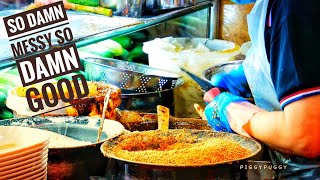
{"points": [[127, 8], [19, 106], [171, 53]]}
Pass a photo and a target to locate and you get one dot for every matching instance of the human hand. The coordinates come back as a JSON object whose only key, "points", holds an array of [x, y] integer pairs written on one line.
{"points": [[216, 111], [234, 82], [229, 113]]}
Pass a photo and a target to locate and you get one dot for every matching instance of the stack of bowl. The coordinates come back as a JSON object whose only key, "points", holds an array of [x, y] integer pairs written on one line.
{"points": [[23, 153]]}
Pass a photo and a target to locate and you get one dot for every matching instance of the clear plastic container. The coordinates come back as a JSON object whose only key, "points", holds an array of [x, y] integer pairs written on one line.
{"points": [[127, 8]]}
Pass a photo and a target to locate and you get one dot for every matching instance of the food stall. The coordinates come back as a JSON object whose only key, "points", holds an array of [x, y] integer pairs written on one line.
{"points": [[137, 120]]}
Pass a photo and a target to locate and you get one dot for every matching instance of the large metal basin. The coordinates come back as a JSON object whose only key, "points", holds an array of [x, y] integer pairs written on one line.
{"points": [[72, 162], [126, 169]]}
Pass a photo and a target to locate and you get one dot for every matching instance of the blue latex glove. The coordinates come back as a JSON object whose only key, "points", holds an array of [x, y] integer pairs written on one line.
{"points": [[243, 1], [216, 112], [234, 82]]}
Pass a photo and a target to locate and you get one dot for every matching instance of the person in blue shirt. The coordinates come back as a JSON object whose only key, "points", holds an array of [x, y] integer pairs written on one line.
{"points": [[282, 72]]}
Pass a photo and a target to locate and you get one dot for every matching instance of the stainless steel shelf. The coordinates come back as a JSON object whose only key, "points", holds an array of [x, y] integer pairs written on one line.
{"points": [[91, 28]]}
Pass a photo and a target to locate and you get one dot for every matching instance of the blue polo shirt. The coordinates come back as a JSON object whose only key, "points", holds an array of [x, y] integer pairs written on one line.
{"points": [[292, 39]]}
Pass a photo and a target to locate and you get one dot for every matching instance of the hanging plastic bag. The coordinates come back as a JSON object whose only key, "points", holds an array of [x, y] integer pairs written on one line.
{"points": [[256, 65]]}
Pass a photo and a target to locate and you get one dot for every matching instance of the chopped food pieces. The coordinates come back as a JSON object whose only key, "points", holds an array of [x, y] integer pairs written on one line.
{"points": [[92, 105], [176, 148]]}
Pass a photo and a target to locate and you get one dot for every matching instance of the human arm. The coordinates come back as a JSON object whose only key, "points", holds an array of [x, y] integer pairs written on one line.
{"points": [[294, 130], [291, 40]]}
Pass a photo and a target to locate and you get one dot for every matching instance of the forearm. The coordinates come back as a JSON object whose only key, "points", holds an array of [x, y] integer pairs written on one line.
{"points": [[294, 130], [257, 123], [270, 128]]}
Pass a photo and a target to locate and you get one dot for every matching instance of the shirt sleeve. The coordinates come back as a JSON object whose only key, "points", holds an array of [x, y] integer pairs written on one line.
{"points": [[292, 43]]}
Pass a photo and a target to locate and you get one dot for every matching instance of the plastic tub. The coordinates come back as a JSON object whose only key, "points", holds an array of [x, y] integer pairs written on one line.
{"points": [[19, 106], [170, 53]]}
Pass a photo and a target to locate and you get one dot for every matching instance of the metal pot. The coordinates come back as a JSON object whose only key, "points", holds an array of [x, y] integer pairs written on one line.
{"points": [[124, 169], [76, 163], [71, 162], [117, 169], [147, 102]]}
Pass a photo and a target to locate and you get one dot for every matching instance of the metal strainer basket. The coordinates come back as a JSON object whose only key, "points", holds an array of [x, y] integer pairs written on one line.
{"points": [[128, 76]]}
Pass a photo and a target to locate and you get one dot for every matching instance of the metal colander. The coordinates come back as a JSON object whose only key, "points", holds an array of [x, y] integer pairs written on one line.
{"points": [[128, 76]]}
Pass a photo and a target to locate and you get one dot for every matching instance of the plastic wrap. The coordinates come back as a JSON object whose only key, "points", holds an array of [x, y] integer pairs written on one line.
{"points": [[256, 66], [170, 53], [233, 22]]}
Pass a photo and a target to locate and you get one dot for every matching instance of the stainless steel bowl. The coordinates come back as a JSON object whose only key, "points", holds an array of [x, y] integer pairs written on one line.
{"points": [[224, 68], [219, 68], [128, 76]]}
